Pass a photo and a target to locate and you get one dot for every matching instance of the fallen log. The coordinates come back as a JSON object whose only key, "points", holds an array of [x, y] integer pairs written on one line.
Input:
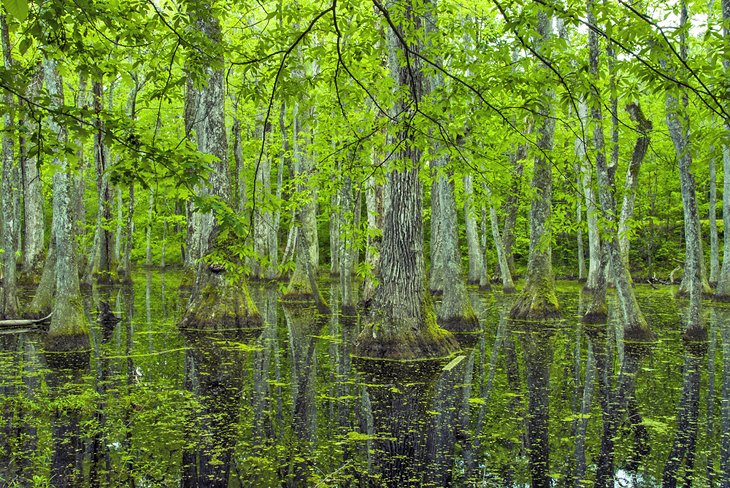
{"points": [[23, 322]]}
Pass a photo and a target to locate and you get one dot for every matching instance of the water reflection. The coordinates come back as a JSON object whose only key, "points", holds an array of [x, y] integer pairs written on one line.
{"points": [[286, 405]]}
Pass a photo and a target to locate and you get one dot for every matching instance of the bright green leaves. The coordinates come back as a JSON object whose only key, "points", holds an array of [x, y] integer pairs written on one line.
{"points": [[17, 8]]}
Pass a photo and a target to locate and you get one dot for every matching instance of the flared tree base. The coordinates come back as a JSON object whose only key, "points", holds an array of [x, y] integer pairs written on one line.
{"points": [[536, 303], [404, 342], [509, 290], [69, 331], [696, 334], [217, 303], [639, 333], [462, 323]]}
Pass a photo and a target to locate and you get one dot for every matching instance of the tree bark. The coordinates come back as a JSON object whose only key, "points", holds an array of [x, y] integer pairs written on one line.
{"points": [[69, 330], [587, 183], [723, 282], [402, 323], [507, 285], [9, 305], [538, 299], [476, 259], [34, 221], [635, 325], [644, 127], [217, 300]]}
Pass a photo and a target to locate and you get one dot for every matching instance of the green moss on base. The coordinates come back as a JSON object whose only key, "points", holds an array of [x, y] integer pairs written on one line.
{"points": [[537, 302], [218, 304], [405, 339], [69, 331], [468, 322]]}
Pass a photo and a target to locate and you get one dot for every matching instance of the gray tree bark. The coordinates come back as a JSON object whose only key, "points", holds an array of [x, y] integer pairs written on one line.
{"points": [[374, 205], [218, 299], [34, 229], [69, 330], [723, 282], [635, 325], [402, 323], [538, 299], [587, 183], [679, 129], [644, 127], [508, 285], [9, 305], [476, 259]]}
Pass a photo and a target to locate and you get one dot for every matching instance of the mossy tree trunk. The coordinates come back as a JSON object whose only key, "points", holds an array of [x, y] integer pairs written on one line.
{"points": [[635, 325], [69, 330], [679, 130], [217, 300], [374, 206], [538, 299], [307, 248], [104, 267], [402, 323], [512, 202], [644, 127], [10, 186]]}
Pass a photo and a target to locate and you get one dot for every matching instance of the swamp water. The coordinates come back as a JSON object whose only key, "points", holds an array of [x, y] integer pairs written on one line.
{"points": [[287, 405]]}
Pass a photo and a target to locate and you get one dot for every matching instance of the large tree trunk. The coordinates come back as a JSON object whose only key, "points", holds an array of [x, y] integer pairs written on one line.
{"points": [[538, 299], [69, 330], [402, 323], [374, 206], [218, 299], [635, 325], [10, 186]]}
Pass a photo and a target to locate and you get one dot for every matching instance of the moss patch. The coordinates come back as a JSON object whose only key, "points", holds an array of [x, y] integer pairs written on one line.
{"points": [[537, 302], [219, 304]]}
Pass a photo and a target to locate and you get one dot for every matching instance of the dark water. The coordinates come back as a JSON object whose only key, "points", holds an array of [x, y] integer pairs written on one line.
{"points": [[287, 405]]}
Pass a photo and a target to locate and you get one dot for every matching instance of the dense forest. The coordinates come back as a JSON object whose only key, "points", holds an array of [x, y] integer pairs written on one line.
{"points": [[404, 153]]}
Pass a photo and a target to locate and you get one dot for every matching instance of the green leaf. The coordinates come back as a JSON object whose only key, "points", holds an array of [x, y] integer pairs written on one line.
{"points": [[17, 8]]}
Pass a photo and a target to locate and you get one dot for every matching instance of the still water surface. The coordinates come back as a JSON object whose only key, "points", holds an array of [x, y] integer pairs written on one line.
{"points": [[287, 405]]}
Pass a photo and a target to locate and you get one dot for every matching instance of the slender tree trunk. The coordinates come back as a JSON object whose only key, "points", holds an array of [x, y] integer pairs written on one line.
{"points": [[34, 221], [9, 305], [68, 330], [512, 202], [679, 130], [374, 205], [538, 299], [712, 216], [579, 222], [587, 183], [507, 285], [402, 323], [476, 259], [644, 127], [148, 228], [723, 282], [307, 257]]}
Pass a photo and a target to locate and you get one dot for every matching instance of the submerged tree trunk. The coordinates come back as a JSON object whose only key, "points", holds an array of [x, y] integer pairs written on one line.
{"points": [[455, 312], [8, 298], [218, 299], [69, 330], [538, 299], [679, 130], [635, 325], [307, 257], [402, 323]]}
